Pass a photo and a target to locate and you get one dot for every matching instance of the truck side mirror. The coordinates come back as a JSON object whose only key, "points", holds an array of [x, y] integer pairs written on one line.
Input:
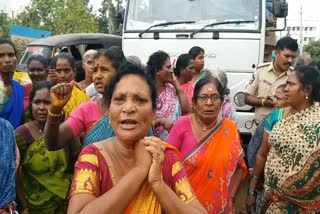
{"points": [[280, 8]]}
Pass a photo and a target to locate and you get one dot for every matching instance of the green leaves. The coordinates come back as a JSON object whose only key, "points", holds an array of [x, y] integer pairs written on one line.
{"points": [[59, 16], [4, 26], [313, 48]]}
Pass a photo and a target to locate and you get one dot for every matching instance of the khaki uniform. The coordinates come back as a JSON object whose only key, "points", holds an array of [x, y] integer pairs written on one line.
{"points": [[265, 83]]}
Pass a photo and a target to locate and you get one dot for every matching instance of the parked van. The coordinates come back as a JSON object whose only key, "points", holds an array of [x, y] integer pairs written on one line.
{"points": [[76, 43]]}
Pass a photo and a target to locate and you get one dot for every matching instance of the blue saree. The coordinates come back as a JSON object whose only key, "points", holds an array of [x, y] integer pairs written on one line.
{"points": [[13, 109], [7, 163]]}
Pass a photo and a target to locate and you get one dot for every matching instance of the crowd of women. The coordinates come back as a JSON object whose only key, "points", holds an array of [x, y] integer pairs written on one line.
{"points": [[147, 139]]}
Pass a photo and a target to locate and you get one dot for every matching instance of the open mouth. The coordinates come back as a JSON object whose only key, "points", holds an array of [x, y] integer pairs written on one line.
{"points": [[128, 124], [98, 84], [63, 81]]}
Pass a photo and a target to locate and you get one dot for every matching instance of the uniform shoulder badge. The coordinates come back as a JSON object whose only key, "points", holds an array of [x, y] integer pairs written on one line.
{"points": [[261, 65]]}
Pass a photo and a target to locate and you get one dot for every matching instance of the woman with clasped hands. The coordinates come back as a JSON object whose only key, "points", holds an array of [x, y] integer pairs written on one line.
{"points": [[131, 173]]}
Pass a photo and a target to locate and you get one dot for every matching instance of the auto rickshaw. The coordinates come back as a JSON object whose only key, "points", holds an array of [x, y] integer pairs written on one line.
{"points": [[76, 44]]}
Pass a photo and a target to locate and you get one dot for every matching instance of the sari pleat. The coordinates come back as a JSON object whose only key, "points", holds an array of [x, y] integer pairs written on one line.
{"points": [[211, 164]]}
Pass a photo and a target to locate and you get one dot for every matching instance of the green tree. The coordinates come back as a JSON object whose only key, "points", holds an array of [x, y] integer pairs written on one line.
{"points": [[102, 18], [5, 23], [108, 18], [59, 16], [313, 48]]}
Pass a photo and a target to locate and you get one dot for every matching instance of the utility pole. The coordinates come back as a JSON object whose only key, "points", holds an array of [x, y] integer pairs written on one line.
{"points": [[301, 30]]}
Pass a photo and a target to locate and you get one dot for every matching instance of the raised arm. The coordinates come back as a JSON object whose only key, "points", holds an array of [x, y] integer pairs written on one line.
{"points": [[183, 99], [57, 134]]}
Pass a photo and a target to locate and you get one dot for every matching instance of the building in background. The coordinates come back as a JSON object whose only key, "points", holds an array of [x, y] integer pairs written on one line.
{"points": [[310, 30]]}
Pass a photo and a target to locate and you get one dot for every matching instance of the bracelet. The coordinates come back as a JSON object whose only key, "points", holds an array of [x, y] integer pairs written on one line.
{"points": [[25, 211], [251, 191], [255, 177], [262, 101], [54, 115], [179, 91], [54, 122]]}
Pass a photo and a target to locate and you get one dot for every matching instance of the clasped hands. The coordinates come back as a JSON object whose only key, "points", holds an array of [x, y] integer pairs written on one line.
{"points": [[149, 155]]}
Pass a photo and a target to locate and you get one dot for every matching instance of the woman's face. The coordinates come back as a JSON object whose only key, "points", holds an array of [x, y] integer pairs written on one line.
{"points": [[88, 65], [37, 71], [64, 71], [164, 73], [188, 71], [294, 91], [199, 62], [103, 72], [280, 99], [208, 102], [40, 105], [8, 58], [130, 110]]}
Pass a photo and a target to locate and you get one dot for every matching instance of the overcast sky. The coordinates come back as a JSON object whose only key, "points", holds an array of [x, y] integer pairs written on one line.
{"points": [[310, 7]]}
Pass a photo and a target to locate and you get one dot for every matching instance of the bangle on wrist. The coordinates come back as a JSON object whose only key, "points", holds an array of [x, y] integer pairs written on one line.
{"points": [[54, 115], [262, 101], [179, 91], [255, 177], [251, 191], [54, 119]]}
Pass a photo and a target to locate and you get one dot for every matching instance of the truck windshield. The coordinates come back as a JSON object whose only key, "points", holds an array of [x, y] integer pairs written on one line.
{"points": [[144, 13]]}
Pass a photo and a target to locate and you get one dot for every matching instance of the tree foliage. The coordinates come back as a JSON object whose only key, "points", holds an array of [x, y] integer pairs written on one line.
{"points": [[313, 48], [108, 17], [59, 16], [4, 24]]}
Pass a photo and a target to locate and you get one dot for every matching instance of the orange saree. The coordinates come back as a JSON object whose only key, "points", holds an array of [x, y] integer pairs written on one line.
{"points": [[211, 164]]}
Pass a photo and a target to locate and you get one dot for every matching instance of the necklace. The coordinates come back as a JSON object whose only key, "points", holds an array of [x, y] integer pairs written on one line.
{"points": [[38, 126], [204, 127]]}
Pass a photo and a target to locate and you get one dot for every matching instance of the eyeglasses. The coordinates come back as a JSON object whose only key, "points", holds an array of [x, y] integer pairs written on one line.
{"points": [[204, 97], [36, 71]]}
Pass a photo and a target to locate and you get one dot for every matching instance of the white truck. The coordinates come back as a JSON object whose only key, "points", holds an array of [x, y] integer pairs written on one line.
{"points": [[232, 33]]}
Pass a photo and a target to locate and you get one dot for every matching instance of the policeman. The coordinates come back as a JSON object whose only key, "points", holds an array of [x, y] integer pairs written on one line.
{"points": [[268, 77]]}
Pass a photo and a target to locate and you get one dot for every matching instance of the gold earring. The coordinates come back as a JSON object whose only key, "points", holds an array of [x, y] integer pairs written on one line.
{"points": [[307, 97]]}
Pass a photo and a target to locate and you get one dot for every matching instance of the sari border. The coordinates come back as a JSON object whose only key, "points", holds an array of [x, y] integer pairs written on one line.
{"points": [[203, 141], [104, 155]]}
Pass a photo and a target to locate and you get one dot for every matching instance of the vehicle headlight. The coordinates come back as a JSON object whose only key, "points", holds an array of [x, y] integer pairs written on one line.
{"points": [[239, 99]]}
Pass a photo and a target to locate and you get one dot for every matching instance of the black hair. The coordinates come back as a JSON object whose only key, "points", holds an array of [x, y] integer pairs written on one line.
{"points": [[195, 51], [287, 43], [156, 62], [75, 53], [52, 63], [205, 81], [5, 41], [308, 76], [114, 54], [282, 86], [126, 69], [66, 56], [36, 87], [38, 58], [182, 62]]}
